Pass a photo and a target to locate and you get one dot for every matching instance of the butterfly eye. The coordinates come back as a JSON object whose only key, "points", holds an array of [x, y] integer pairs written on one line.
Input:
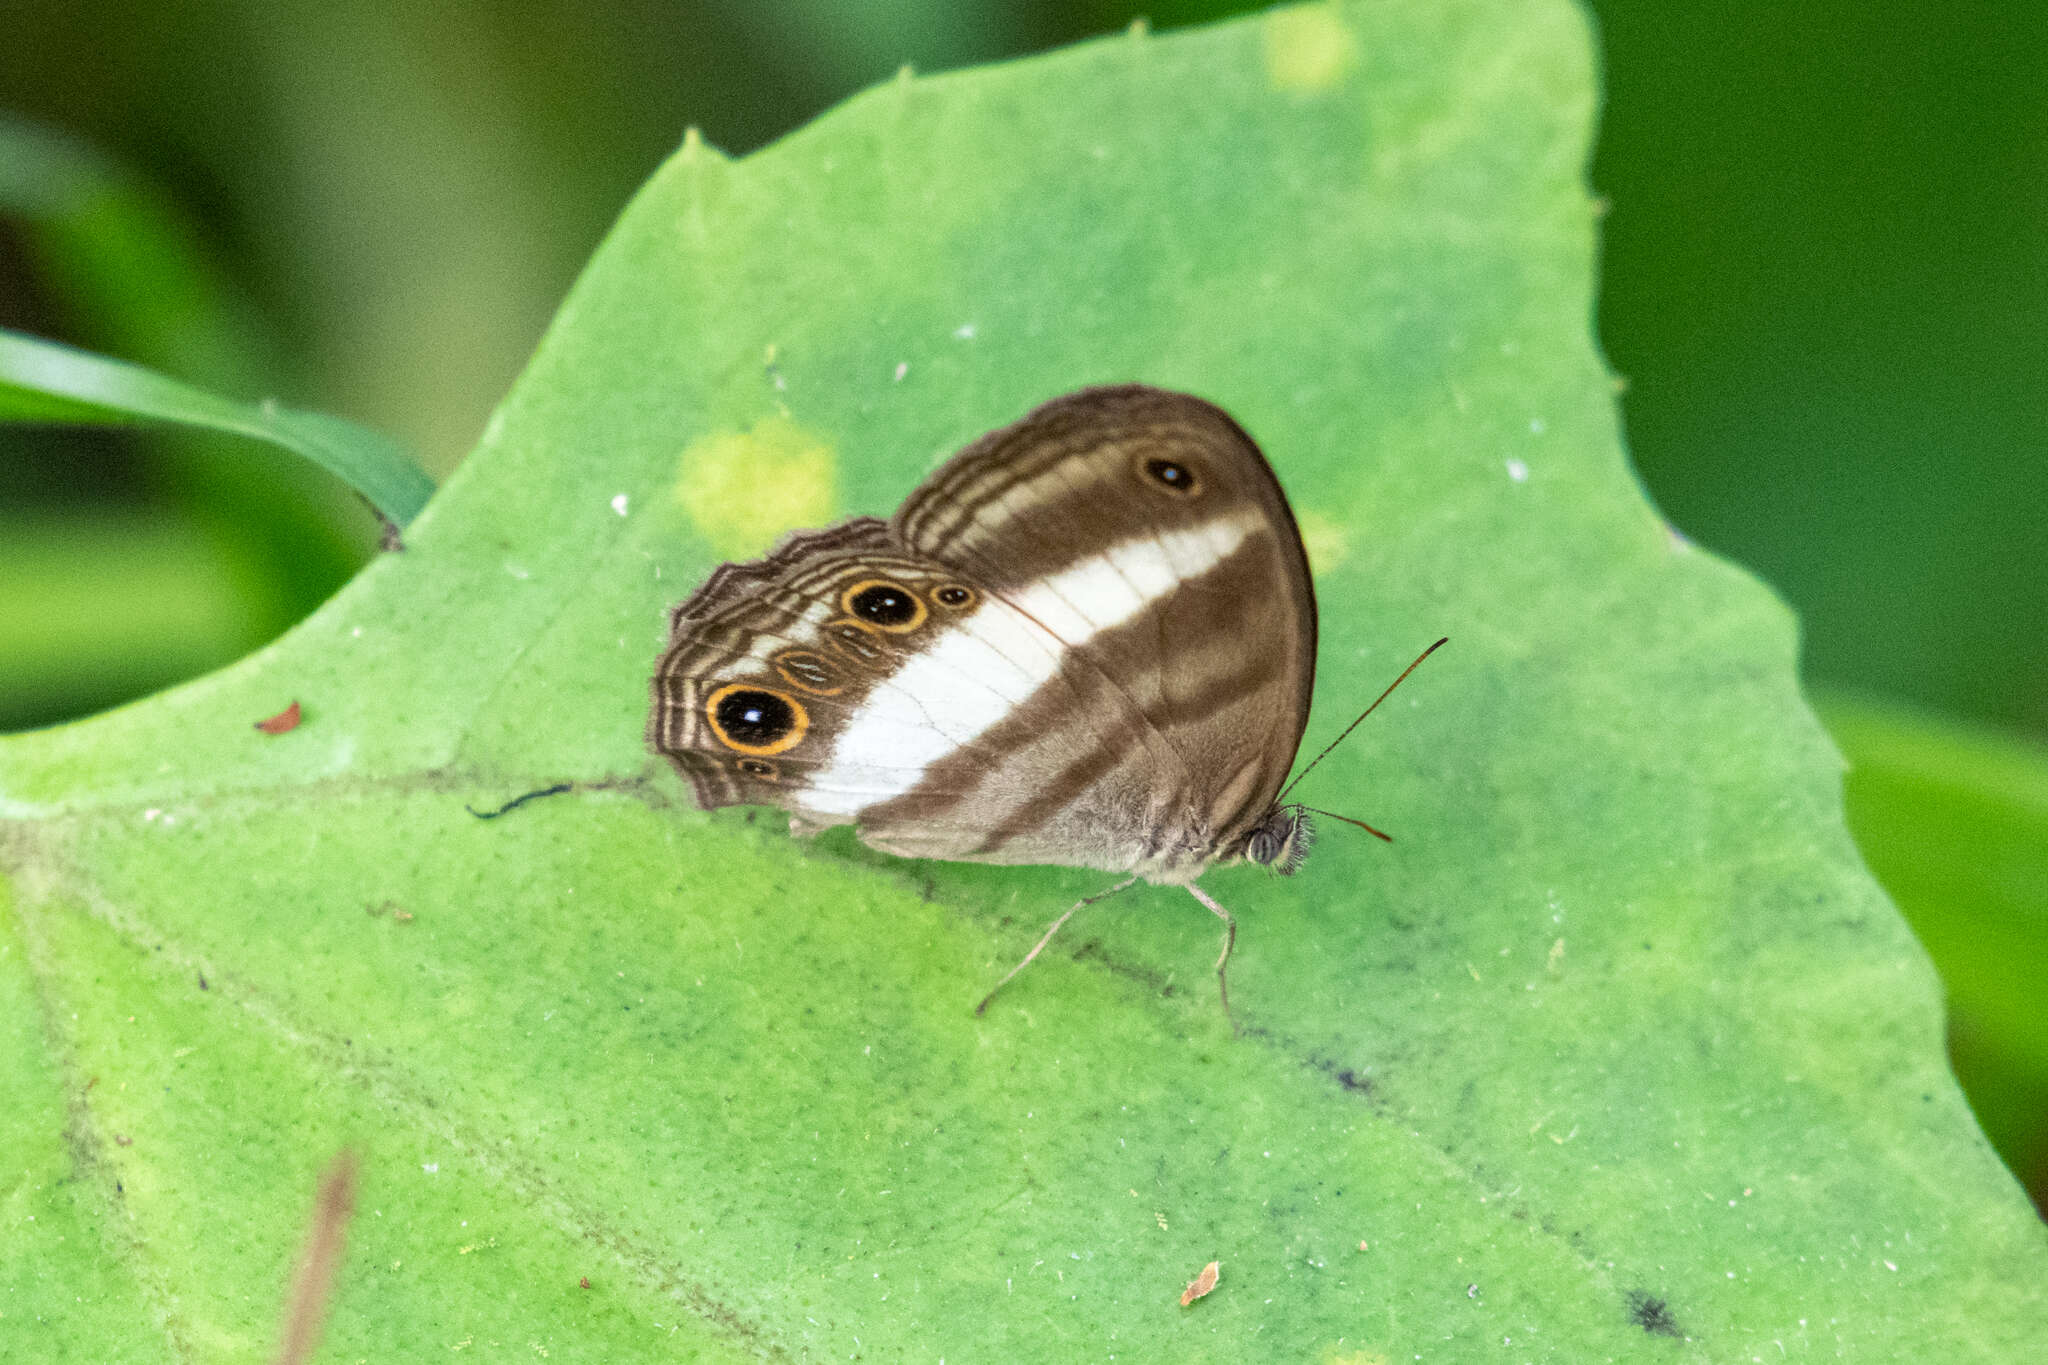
{"points": [[755, 720], [1171, 475], [886, 605], [954, 595]]}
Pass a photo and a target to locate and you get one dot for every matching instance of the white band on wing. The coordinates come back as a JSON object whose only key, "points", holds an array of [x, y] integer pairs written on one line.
{"points": [[985, 665]]}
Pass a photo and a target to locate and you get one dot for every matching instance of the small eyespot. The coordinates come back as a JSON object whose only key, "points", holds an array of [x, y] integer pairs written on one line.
{"points": [[884, 604], [811, 671], [755, 720], [1172, 476], [859, 643], [754, 767], [955, 595]]}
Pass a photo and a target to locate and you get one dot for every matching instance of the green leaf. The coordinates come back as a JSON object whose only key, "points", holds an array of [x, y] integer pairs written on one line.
{"points": [[1618, 1053], [1954, 821], [41, 381], [255, 544]]}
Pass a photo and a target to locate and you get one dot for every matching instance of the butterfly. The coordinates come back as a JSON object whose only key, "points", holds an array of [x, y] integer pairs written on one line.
{"points": [[1087, 639]]}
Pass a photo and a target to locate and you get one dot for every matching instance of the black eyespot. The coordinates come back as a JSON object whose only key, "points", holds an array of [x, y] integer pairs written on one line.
{"points": [[884, 604], [1172, 475], [953, 595], [755, 717], [755, 720]]}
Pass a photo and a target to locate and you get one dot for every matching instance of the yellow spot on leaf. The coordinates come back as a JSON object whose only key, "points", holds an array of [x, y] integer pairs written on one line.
{"points": [[1308, 48], [1336, 1357], [1327, 543], [743, 489]]}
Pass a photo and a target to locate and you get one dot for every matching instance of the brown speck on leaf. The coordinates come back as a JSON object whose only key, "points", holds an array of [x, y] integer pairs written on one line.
{"points": [[1200, 1286], [202, 982], [583, 1283], [287, 719], [123, 1140], [312, 1288]]}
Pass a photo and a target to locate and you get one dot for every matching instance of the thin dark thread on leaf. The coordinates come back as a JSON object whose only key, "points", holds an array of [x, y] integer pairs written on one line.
{"points": [[516, 802], [313, 1286]]}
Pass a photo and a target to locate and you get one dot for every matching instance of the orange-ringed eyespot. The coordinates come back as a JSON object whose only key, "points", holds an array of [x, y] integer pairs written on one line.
{"points": [[884, 604], [751, 719]]}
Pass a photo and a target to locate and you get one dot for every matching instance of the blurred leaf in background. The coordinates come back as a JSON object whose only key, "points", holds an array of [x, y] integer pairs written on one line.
{"points": [[1823, 278]]}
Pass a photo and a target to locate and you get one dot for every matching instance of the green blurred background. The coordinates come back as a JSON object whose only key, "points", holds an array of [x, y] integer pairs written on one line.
{"points": [[1825, 277]]}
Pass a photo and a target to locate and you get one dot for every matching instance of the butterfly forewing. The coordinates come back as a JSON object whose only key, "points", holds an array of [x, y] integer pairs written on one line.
{"points": [[1146, 529]]}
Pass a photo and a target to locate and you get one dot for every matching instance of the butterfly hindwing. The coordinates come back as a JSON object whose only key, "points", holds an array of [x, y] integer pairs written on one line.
{"points": [[1086, 639]]}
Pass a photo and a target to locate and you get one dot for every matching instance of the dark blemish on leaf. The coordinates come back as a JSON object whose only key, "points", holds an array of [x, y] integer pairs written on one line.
{"points": [[1348, 1078], [202, 982], [516, 802], [1652, 1314], [1093, 951], [388, 539]]}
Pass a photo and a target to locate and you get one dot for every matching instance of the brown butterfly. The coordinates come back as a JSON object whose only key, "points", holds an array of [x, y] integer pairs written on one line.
{"points": [[1087, 639]]}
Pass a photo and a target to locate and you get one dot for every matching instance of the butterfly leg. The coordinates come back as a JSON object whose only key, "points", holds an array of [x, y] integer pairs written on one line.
{"points": [[1229, 942], [1047, 938]]}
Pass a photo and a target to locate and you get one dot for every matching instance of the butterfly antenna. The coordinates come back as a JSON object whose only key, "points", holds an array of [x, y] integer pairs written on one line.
{"points": [[1349, 821], [1354, 725]]}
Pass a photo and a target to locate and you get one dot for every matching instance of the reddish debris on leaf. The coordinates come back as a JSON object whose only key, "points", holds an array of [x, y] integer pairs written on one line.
{"points": [[287, 719], [1202, 1283], [583, 1283]]}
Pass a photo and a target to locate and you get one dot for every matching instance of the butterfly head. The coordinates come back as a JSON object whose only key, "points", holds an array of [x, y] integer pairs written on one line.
{"points": [[1281, 840]]}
